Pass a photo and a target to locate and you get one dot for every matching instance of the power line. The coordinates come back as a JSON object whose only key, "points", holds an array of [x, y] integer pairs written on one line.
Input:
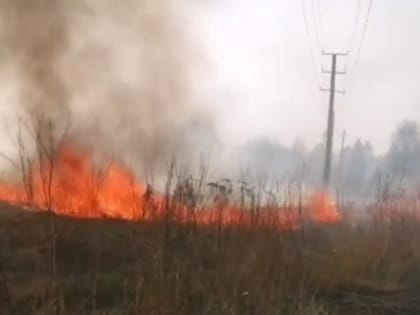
{"points": [[317, 22], [308, 34], [355, 25], [357, 16], [359, 49], [318, 12]]}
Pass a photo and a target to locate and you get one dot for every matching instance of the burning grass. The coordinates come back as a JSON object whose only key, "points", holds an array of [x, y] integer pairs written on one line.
{"points": [[67, 183], [105, 244]]}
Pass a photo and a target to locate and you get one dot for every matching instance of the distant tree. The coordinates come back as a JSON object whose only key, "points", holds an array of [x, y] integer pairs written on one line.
{"points": [[263, 156], [358, 168], [315, 164], [298, 148], [403, 157]]}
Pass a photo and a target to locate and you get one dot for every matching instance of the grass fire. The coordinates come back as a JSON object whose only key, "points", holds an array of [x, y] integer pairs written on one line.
{"points": [[70, 185], [159, 157], [82, 236]]}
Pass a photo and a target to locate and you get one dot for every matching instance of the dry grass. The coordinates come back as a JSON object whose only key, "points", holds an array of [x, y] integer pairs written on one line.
{"points": [[116, 267]]}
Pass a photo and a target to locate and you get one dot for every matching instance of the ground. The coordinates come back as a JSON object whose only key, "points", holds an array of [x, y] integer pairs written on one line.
{"points": [[108, 266]]}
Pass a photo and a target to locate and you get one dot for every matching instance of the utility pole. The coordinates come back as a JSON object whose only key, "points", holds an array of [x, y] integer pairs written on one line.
{"points": [[330, 123]]}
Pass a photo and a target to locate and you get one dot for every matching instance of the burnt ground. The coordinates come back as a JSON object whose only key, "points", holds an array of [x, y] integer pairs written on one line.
{"points": [[60, 265]]}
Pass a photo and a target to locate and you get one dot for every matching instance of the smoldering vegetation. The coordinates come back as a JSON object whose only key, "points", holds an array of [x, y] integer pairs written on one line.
{"points": [[113, 75]]}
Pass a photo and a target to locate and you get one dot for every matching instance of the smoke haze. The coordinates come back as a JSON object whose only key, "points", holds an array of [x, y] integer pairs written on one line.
{"points": [[149, 79], [119, 72]]}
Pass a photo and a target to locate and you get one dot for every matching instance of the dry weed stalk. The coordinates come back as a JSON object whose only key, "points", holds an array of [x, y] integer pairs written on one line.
{"points": [[36, 170]]}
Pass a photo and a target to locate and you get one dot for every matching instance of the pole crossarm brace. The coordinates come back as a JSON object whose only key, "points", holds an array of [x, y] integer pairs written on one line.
{"points": [[337, 72], [327, 53], [329, 90]]}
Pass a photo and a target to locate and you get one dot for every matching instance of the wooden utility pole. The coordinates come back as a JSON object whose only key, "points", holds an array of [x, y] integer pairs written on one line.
{"points": [[330, 123]]}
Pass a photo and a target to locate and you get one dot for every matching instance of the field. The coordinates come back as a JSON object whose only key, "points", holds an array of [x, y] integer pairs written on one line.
{"points": [[54, 264], [107, 244]]}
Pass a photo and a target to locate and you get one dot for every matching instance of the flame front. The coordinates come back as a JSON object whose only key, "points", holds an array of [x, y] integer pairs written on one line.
{"points": [[71, 186]]}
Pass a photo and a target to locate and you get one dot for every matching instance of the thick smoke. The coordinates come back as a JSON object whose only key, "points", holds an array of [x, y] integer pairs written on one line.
{"points": [[35, 37], [118, 71]]}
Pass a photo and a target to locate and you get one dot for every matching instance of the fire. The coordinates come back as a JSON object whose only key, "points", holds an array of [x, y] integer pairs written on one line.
{"points": [[322, 210], [75, 188]]}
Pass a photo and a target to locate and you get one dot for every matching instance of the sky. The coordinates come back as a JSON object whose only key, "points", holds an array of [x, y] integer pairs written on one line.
{"points": [[253, 67], [261, 79]]}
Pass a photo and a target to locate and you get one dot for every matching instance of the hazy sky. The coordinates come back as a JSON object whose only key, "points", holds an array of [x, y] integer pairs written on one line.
{"points": [[257, 75], [261, 76]]}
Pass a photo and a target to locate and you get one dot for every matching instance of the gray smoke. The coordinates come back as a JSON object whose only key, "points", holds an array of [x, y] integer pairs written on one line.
{"points": [[34, 37], [119, 71]]}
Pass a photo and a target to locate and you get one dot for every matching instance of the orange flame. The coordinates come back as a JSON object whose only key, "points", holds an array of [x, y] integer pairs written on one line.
{"points": [[322, 210], [75, 189]]}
